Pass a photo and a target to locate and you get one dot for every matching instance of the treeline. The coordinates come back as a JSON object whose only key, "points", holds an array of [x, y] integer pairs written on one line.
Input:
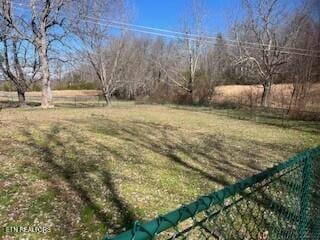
{"points": [[156, 67], [75, 47]]}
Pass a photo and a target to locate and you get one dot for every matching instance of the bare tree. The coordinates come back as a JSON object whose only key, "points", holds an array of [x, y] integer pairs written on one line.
{"points": [[40, 30], [17, 66], [179, 65], [170, 68], [194, 26], [304, 70], [18, 61], [94, 32], [137, 69], [216, 63], [263, 26]]}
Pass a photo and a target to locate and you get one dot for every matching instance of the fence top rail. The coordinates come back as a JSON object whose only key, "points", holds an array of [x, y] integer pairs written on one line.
{"points": [[150, 229]]}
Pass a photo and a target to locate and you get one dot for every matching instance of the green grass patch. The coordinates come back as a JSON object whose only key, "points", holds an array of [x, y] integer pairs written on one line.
{"points": [[89, 171]]}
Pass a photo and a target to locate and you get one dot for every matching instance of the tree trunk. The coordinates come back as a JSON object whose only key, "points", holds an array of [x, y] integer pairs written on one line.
{"points": [[106, 96], [21, 97], [191, 74], [190, 87], [293, 94], [266, 94], [46, 101]]}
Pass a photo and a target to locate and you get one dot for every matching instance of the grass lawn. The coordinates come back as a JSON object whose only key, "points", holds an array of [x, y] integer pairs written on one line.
{"points": [[85, 172]]}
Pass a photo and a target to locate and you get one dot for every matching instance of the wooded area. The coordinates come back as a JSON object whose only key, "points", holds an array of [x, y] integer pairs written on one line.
{"points": [[73, 45]]}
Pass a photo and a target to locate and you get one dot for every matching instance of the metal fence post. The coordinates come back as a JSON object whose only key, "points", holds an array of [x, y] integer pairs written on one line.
{"points": [[315, 202], [305, 198]]}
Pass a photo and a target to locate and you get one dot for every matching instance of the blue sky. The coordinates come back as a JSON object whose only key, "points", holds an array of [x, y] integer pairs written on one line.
{"points": [[168, 13]]}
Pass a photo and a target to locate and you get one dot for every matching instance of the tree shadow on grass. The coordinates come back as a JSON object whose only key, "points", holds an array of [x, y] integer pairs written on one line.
{"points": [[58, 165], [212, 159], [206, 158], [15, 104], [217, 167], [275, 120]]}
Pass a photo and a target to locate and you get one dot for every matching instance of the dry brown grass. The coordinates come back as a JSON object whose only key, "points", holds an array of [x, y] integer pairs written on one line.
{"points": [[59, 93], [280, 95], [243, 94], [68, 93]]}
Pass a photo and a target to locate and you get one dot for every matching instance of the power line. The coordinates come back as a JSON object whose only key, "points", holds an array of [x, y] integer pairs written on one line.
{"points": [[195, 35], [188, 38], [191, 38], [174, 36], [166, 31]]}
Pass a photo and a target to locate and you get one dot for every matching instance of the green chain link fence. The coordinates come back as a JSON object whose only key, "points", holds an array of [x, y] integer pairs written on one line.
{"points": [[282, 202]]}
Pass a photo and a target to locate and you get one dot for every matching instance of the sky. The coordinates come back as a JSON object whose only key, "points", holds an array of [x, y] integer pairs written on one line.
{"points": [[168, 14]]}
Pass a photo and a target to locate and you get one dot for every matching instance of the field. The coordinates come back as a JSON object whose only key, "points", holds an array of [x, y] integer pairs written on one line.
{"points": [[85, 172], [62, 98], [280, 95], [58, 93], [239, 94]]}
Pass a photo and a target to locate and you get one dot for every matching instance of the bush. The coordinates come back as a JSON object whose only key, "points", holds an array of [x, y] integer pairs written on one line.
{"points": [[7, 87], [36, 87], [203, 90], [79, 85]]}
